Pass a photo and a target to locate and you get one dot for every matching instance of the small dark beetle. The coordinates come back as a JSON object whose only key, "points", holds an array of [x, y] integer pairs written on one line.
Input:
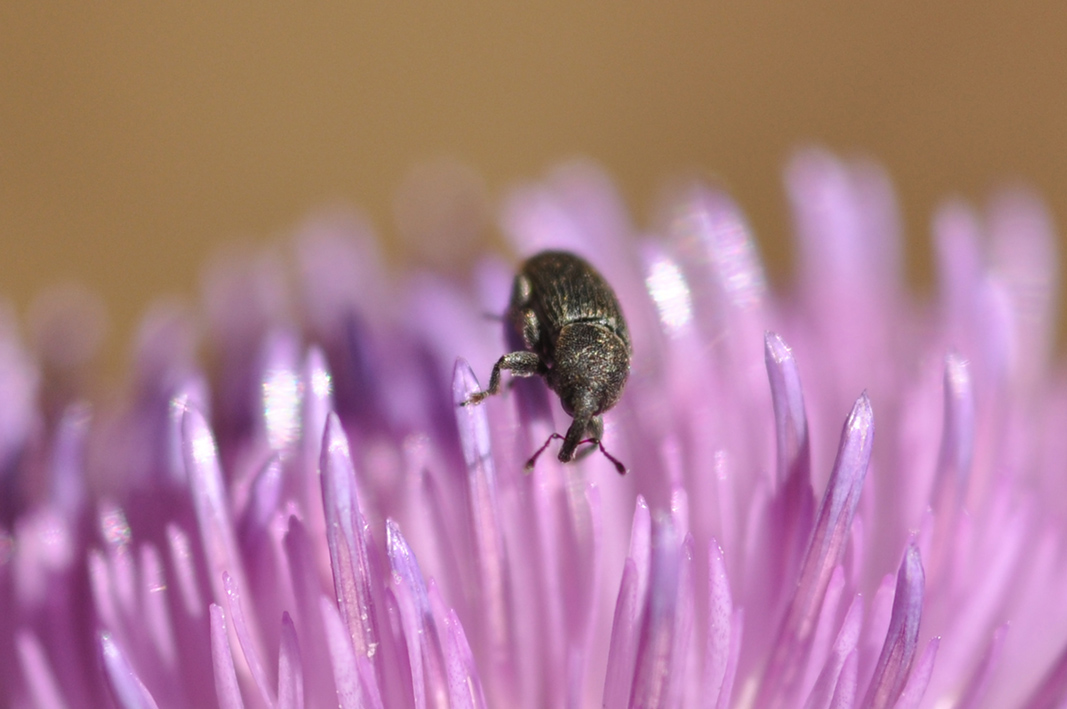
{"points": [[575, 337]]}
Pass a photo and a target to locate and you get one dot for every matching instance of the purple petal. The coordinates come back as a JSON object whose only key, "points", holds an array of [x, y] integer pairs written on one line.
{"points": [[280, 391], [184, 564], [465, 688], [957, 233], [873, 633], [682, 656], [715, 240], [263, 501], [300, 554], [318, 390], [670, 292], [425, 654], [209, 502], [919, 680], [41, 682], [791, 421], [622, 652], [845, 691], [1053, 688], [155, 609], [19, 384], [126, 687], [226, 687], [244, 638], [353, 675], [68, 459], [954, 463], [825, 551], [839, 251], [1024, 260], [737, 627], [653, 672], [290, 672], [894, 664], [629, 609], [490, 551], [824, 633], [720, 610], [347, 537], [976, 688], [845, 644]]}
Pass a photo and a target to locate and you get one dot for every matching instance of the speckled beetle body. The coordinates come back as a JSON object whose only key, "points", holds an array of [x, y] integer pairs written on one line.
{"points": [[575, 337]]}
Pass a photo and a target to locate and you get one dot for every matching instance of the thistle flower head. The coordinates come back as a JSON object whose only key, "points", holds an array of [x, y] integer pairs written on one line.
{"points": [[839, 495]]}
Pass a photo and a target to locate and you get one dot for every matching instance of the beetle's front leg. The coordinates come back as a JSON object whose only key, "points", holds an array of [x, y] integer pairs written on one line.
{"points": [[520, 364]]}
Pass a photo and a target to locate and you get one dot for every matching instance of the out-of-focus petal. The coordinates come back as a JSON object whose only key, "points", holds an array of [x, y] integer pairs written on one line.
{"points": [[901, 643]]}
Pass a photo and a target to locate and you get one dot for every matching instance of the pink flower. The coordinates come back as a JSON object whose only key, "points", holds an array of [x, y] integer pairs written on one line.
{"points": [[323, 525]]}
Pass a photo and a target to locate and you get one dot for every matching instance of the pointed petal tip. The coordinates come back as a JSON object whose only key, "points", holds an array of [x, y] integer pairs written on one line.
{"points": [[464, 381], [335, 450], [912, 568], [127, 688], [898, 653], [861, 419], [196, 435], [775, 348], [395, 543]]}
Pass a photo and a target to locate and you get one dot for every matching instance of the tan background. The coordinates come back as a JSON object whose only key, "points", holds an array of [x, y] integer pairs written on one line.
{"points": [[134, 140]]}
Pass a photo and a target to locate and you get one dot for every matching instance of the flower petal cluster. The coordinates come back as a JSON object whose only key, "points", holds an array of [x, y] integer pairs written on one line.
{"points": [[839, 495]]}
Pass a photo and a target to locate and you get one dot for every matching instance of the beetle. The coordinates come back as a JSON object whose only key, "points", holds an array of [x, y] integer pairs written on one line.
{"points": [[576, 339]]}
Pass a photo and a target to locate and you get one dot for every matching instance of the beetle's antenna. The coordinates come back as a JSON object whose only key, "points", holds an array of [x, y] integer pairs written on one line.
{"points": [[533, 458], [619, 467]]}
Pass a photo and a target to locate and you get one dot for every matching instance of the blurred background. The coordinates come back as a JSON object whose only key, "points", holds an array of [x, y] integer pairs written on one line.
{"points": [[136, 138]]}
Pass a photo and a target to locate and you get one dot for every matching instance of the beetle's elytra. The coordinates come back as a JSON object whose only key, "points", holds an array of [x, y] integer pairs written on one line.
{"points": [[575, 337]]}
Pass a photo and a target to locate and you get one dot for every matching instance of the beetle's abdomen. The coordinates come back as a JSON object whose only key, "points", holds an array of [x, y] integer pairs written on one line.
{"points": [[564, 289]]}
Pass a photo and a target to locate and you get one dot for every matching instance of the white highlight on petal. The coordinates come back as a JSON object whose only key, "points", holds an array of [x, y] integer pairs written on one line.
{"points": [[281, 407], [181, 557], [113, 526], [670, 292], [44, 545]]}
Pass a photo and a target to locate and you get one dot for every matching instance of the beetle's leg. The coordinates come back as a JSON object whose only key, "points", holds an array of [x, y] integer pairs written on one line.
{"points": [[520, 364], [531, 329]]}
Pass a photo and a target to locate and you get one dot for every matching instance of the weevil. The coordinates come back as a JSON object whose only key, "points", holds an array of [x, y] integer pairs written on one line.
{"points": [[576, 339]]}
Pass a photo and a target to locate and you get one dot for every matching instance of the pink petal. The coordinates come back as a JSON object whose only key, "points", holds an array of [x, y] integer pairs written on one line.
{"points": [[894, 664], [825, 551], [290, 672], [845, 691], [490, 551], [425, 653], [720, 610], [41, 682], [347, 537], [244, 637], [226, 687], [919, 680]]}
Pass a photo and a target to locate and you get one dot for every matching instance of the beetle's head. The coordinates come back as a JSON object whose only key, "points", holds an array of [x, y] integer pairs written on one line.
{"points": [[590, 368]]}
